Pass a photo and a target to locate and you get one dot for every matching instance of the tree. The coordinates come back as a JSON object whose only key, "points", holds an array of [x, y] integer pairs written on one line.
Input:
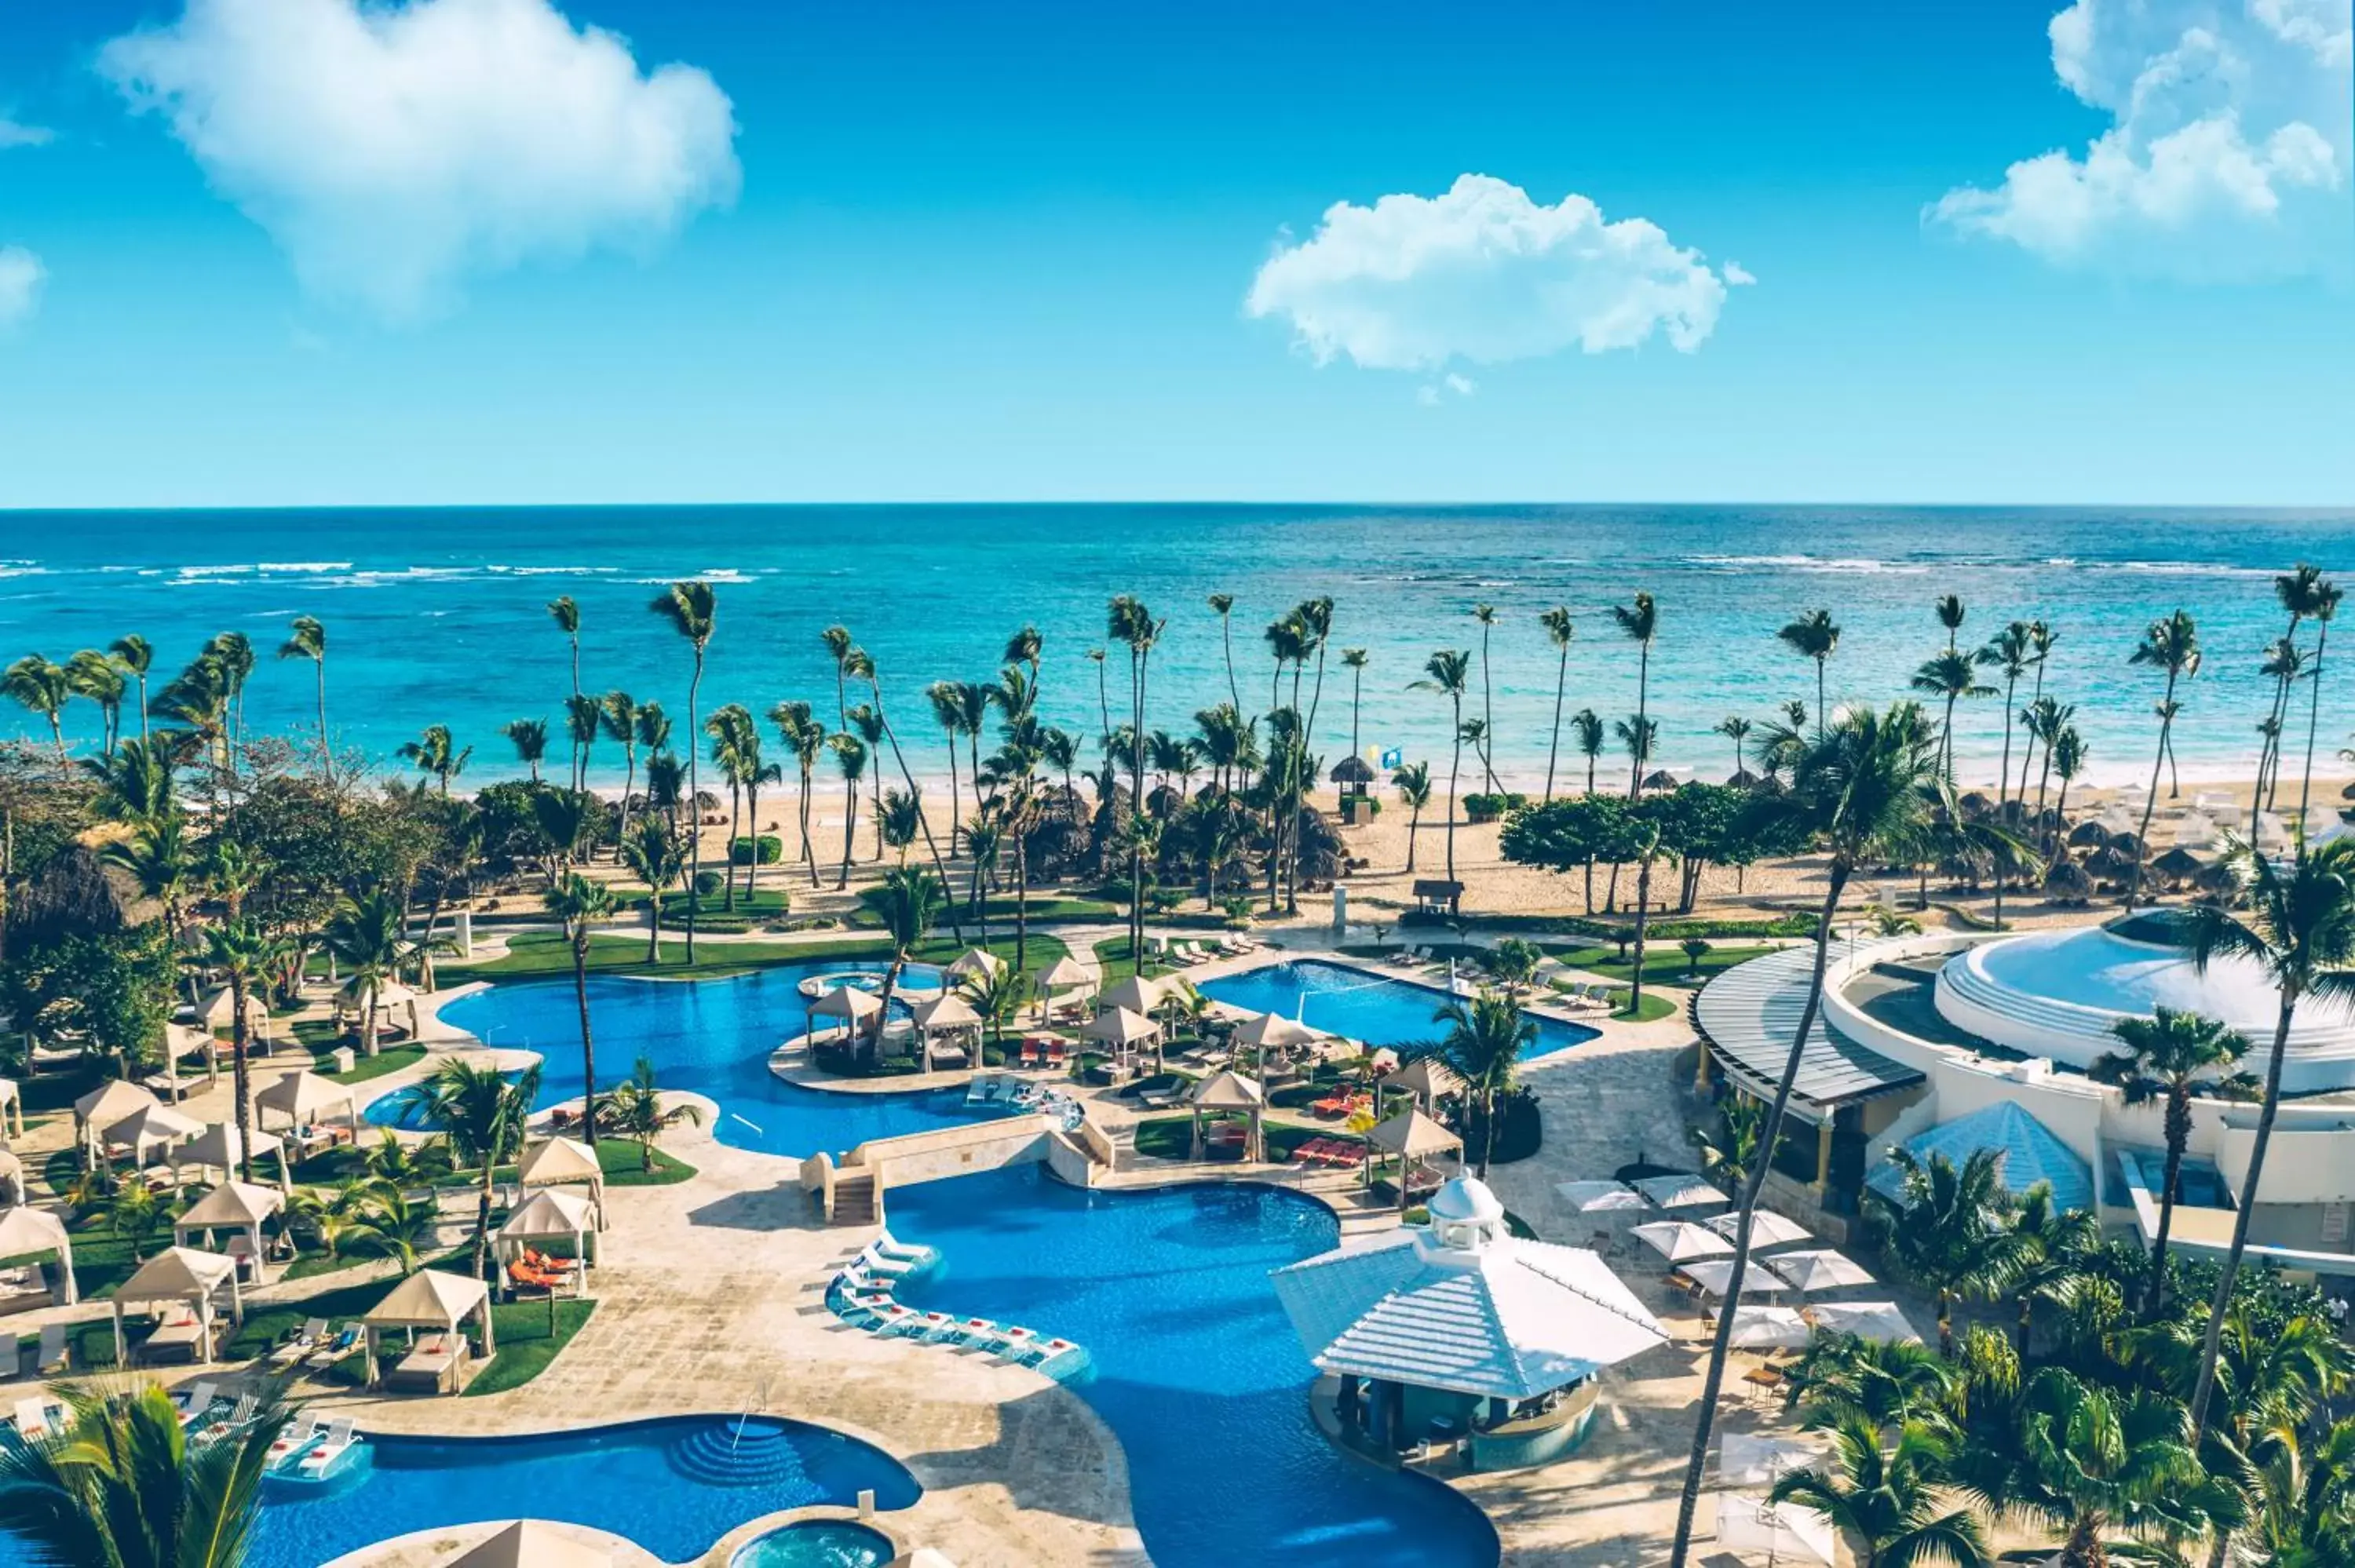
{"points": [[127, 1485], [1413, 782], [531, 738], [2306, 1495], [1444, 673], [911, 904], [1127, 621], [1736, 728], [309, 641], [691, 609], [1865, 789], [654, 856], [567, 616], [367, 935], [1485, 1035], [617, 713], [1222, 605], [485, 1119], [804, 736], [1889, 1502], [41, 686], [1814, 635], [1592, 735], [1559, 632], [1639, 622], [2300, 930], [1949, 1230], [137, 657], [1950, 616], [1731, 1151], [635, 1111], [2323, 607], [2085, 1460], [242, 953], [1486, 614], [2171, 645], [851, 756], [581, 905], [2168, 1057], [1354, 661], [1574, 832], [1950, 677], [93, 674], [434, 752]]}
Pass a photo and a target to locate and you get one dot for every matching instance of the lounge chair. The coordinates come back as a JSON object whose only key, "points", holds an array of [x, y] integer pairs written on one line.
{"points": [[180, 1335], [57, 1351], [979, 1332], [1032, 1053], [1016, 1344], [430, 1366], [1056, 1052], [195, 1401], [306, 1340], [345, 1342], [1053, 1351], [874, 1260], [293, 1441], [37, 1418], [934, 1325], [892, 1246], [246, 1408], [331, 1447]]}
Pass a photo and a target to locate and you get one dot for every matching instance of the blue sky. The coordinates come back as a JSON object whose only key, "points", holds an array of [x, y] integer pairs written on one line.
{"points": [[890, 251]]}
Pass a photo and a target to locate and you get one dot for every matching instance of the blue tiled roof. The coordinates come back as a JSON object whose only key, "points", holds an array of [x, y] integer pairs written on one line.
{"points": [[2031, 1152]]}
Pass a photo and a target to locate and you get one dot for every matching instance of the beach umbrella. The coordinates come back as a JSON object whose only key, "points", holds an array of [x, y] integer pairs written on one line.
{"points": [[1411, 1135], [1678, 1190], [1822, 1269], [2088, 835], [1766, 1228], [1714, 1275], [1880, 1320], [1599, 1197], [2128, 844], [1975, 805], [2067, 881], [2177, 863], [1433, 1079], [1757, 1327], [1680, 1241], [2111, 862], [1742, 779], [2219, 879], [1660, 779]]}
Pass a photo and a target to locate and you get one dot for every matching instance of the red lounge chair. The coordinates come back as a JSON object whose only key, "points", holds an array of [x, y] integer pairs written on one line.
{"points": [[1031, 1053]]}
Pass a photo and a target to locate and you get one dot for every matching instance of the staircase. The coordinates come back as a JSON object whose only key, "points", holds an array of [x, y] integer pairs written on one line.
{"points": [[857, 1199], [738, 1451]]}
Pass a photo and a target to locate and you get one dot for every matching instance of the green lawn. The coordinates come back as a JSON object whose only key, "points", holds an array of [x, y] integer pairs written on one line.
{"points": [[622, 1160], [525, 1344], [1664, 963], [389, 1059], [1172, 1137], [1658, 1004], [534, 955], [1112, 954]]}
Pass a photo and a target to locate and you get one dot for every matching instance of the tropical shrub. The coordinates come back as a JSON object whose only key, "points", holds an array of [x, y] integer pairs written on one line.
{"points": [[1520, 1128], [769, 847]]}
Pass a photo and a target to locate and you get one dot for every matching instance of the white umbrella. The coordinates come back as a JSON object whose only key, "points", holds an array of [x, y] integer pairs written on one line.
{"points": [[1680, 1241], [1678, 1192], [1822, 1269], [1759, 1328], [1867, 1319], [1595, 1197], [1716, 1273], [1766, 1228]]}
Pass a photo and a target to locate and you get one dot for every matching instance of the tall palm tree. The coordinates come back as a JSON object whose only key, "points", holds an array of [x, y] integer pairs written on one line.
{"points": [[233, 651], [127, 1484], [41, 686], [1949, 1230], [2084, 1460], [1950, 616], [434, 752], [1485, 1035], [1486, 614], [1639, 622], [617, 713], [368, 937], [2169, 1056], [1559, 632], [1889, 1502], [1413, 782], [243, 954], [1222, 606], [1814, 635], [483, 1121], [1637, 737], [2323, 607], [1587, 728], [309, 641], [97, 677], [851, 756], [1129, 622], [135, 784], [1867, 790], [2013, 651], [1950, 677], [2300, 930], [584, 720], [804, 736], [581, 905], [162, 860], [2044, 718], [2299, 591], [726, 727], [567, 616], [137, 657], [691, 608], [531, 738], [949, 714], [2067, 760], [2060, 1247], [910, 905], [908, 777], [637, 1111], [2040, 638], [1736, 728], [1444, 673], [1354, 661], [654, 856], [2171, 645]]}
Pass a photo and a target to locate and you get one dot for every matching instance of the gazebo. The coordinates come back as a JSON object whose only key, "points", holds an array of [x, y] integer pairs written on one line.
{"points": [[550, 1215], [151, 1126], [1135, 994], [1065, 974], [221, 1146], [12, 1179], [182, 1040], [106, 1106], [527, 1544], [28, 1232], [1428, 1079], [12, 1105], [429, 1299], [391, 998], [180, 1275], [238, 1207], [302, 1094], [1460, 1330], [1125, 1032], [847, 1006], [1352, 775], [561, 1162], [1414, 1136], [975, 963], [948, 1014], [1231, 1093], [218, 1010], [1266, 1031]]}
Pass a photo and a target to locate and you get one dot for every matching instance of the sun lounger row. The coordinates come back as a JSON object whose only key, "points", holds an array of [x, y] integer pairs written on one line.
{"points": [[1043, 1051], [1408, 958], [861, 1295], [310, 1448], [314, 1348], [1232, 945], [1339, 1105], [1336, 1152], [1585, 994]]}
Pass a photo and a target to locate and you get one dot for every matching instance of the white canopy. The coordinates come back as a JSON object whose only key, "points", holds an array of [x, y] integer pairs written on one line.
{"points": [[1119, 1026], [1757, 1327], [558, 1161], [1678, 1192], [1135, 994], [430, 1298], [847, 1002], [1272, 1031], [25, 1231], [1715, 1273], [1065, 973], [231, 1204], [1681, 1241], [550, 1215], [354, 992], [1821, 1270], [299, 1095], [1595, 1197], [1433, 1080], [150, 1125], [1463, 1305], [1782, 1533], [1411, 1135], [975, 961], [1228, 1091], [945, 1011], [217, 1008], [110, 1102], [1767, 1228], [219, 1147], [528, 1544], [179, 1273], [1880, 1320]]}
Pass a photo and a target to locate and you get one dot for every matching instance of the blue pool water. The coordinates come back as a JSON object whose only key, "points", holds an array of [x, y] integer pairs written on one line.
{"points": [[712, 1037], [675, 1485], [1193, 1362], [1378, 1010], [817, 1544]]}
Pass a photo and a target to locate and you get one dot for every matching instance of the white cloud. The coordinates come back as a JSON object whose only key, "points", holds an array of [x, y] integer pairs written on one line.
{"points": [[21, 275], [392, 149], [2230, 153], [1430, 394], [15, 132], [1462, 386], [1484, 274], [1737, 275]]}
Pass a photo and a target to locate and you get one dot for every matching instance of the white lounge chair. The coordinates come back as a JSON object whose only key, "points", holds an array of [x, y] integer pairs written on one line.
{"points": [[294, 1441], [874, 1260], [244, 1411], [193, 1401], [892, 1246], [340, 1435], [345, 1342], [306, 1340], [57, 1351], [37, 1418]]}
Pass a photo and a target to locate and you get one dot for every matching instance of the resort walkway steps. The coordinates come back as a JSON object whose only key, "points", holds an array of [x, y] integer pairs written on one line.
{"points": [[858, 1200]]}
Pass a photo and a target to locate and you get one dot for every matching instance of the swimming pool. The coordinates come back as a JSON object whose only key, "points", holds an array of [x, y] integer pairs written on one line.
{"points": [[1193, 1362], [817, 1544], [673, 1486], [1372, 1008], [710, 1036]]}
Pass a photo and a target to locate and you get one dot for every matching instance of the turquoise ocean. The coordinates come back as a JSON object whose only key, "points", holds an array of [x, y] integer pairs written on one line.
{"points": [[439, 616]]}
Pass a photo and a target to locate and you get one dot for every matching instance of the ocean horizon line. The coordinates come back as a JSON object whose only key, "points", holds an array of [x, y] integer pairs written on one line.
{"points": [[2320, 512]]}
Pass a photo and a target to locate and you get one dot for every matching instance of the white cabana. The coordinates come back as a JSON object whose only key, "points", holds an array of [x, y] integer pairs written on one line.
{"points": [[1067, 975], [1135, 994], [28, 1232], [1781, 1532], [1757, 1327], [394, 1003], [1272, 1031], [217, 1008], [12, 1180], [975, 963], [439, 1303], [551, 1214], [182, 1040], [12, 1111], [152, 1128], [1678, 1192], [949, 1014], [221, 1146], [302, 1095], [1414, 1136], [1714, 1275], [1599, 1197], [237, 1207], [1882, 1321], [562, 1161], [179, 1277], [110, 1103], [1820, 1269], [1767, 1228], [1231, 1093], [528, 1544], [845, 1007], [1430, 1080], [1124, 1031], [1681, 1241]]}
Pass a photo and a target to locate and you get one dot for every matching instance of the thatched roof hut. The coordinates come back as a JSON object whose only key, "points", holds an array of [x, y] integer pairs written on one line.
{"points": [[2066, 882], [1742, 779], [78, 894], [2177, 863], [2088, 835]]}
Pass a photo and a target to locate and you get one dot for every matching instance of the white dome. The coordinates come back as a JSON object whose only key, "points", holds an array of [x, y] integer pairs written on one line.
{"points": [[1465, 1200], [2059, 994]]}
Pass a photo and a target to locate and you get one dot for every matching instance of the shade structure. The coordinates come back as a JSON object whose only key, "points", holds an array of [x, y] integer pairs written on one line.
{"points": [[975, 963], [1272, 1031], [945, 1011], [1599, 1197], [218, 1007], [303, 1097], [1231, 1093], [108, 1104], [1680, 1241], [1767, 1228], [549, 1214], [153, 1127], [221, 1146], [1760, 1459], [528, 1544], [179, 1273], [182, 1040], [1135, 994], [430, 1298], [12, 1179], [1428, 1079], [26, 1231], [1757, 1327], [1882, 1321], [1820, 1269], [1714, 1275], [1679, 1190], [847, 1003], [562, 1161], [1779, 1532], [1463, 1305], [238, 1207], [1066, 973], [921, 1557], [1411, 1135], [1120, 1028]]}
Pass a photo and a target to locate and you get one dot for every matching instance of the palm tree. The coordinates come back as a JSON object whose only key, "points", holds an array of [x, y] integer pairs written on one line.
{"points": [[136, 656], [40, 687], [2305, 1481], [1950, 677], [2060, 1250], [567, 616], [2300, 929], [1888, 1503], [232, 653], [1413, 782], [135, 783], [97, 677], [851, 756], [690, 608], [1559, 632], [1222, 605], [2044, 719], [309, 641], [2040, 639], [128, 1485], [368, 935], [1814, 636], [1867, 790], [868, 725], [581, 905], [635, 1111], [1445, 672], [799, 727], [585, 719], [1949, 1230], [1736, 728], [531, 738], [1586, 726], [434, 752], [162, 862], [655, 857], [1950, 616], [2323, 606], [483, 1118], [1354, 661], [1637, 736], [1485, 1035], [1128, 621], [2067, 760], [2168, 1056], [2172, 645], [2084, 1460], [727, 727], [1486, 614], [1639, 622], [2299, 592], [949, 714], [2012, 650], [243, 954], [900, 814], [617, 712], [911, 904]]}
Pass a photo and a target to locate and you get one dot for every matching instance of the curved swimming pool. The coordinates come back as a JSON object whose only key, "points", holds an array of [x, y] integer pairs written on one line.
{"points": [[1377, 1009], [712, 1037]]}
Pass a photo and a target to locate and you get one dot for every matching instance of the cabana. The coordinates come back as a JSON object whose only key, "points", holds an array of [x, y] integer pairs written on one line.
{"points": [[1266, 1031], [439, 1303], [218, 1010], [548, 1215], [12, 1109], [975, 963], [560, 1161], [181, 1277], [221, 1146], [27, 1233], [105, 1107], [1125, 1032], [182, 1040], [301, 1096], [1135, 994], [1231, 1093], [1430, 1080], [528, 1544], [12, 1180], [1460, 1330], [1065, 974], [844, 1006], [1414, 1138], [238, 1207], [949, 1014], [392, 999], [151, 1127]]}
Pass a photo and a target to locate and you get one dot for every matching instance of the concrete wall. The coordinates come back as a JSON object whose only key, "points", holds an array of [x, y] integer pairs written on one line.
{"points": [[953, 1150]]}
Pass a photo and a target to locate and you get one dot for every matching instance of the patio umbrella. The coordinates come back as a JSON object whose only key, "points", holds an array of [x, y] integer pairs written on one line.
{"points": [[1680, 1241], [2067, 881], [1822, 1269], [1679, 1190], [2177, 863], [1595, 1197], [1757, 1327], [2088, 835], [1766, 1229], [1714, 1275], [1865, 1320]]}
